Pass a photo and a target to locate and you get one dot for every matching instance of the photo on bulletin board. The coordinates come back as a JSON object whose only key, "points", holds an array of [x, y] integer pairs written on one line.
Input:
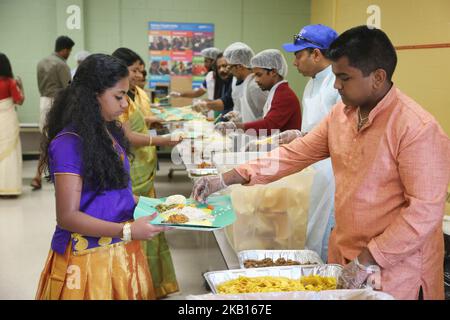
{"points": [[198, 66], [202, 40], [160, 43], [181, 68], [159, 66], [181, 41], [174, 51], [159, 70]]}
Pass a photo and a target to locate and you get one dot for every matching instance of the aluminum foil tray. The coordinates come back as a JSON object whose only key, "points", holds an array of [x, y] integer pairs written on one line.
{"points": [[215, 278], [203, 172], [304, 257]]}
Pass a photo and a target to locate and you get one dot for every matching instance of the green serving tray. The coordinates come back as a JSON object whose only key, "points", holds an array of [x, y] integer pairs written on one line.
{"points": [[223, 210]]}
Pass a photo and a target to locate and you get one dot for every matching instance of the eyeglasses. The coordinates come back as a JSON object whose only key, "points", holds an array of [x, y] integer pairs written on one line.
{"points": [[298, 37]]}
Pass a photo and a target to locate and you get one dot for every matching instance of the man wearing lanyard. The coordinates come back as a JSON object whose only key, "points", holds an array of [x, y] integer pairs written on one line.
{"points": [[309, 48], [282, 109], [391, 161], [248, 98]]}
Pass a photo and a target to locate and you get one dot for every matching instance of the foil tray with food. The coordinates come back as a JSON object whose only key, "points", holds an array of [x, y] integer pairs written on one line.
{"points": [[200, 166], [274, 279], [203, 172], [277, 258]]}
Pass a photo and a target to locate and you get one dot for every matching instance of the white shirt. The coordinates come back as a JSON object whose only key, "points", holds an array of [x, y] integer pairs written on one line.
{"points": [[210, 83], [318, 98]]}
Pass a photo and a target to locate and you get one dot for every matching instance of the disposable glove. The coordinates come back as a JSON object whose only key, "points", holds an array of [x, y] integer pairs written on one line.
{"points": [[355, 276], [277, 139], [233, 116], [287, 136], [205, 186], [225, 127], [200, 106]]}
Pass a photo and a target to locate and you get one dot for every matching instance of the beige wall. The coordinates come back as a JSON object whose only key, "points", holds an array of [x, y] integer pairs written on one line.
{"points": [[423, 74]]}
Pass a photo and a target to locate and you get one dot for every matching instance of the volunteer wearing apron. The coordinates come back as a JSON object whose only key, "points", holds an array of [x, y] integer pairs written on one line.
{"points": [[318, 98], [248, 98], [223, 90], [282, 109]]}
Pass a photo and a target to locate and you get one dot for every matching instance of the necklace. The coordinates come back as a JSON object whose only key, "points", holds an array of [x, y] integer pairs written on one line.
{"points": [[361, 120]]}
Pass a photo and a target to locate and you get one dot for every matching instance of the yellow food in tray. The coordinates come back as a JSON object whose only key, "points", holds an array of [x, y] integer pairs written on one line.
{"points": [[276, 284], [205, 165], [188, 214], [177, 219], [268, 262]]}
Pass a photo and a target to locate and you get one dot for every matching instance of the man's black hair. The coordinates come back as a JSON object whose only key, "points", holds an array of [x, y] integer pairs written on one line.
{"points": [[366, 49], [323, 51], [63, 42]]}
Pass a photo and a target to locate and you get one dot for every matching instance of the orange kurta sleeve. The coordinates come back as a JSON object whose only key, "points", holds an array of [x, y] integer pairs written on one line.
{"points": [[289, 158], [423, 163]]}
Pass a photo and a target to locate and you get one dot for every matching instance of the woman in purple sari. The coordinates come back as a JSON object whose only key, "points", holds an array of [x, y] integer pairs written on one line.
{"points": [[94, 251]]}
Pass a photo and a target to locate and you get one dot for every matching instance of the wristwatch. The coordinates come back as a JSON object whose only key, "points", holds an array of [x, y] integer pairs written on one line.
{"points": [[126, 232]]}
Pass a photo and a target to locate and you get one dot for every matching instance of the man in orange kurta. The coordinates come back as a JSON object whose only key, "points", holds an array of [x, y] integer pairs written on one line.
{"points": [[391, 161]]}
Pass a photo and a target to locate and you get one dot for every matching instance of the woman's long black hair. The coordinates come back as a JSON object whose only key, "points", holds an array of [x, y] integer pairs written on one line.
{"points": [[77, 107], [5, 67]]}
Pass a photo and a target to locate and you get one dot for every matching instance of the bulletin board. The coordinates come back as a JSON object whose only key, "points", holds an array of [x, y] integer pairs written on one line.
{"points": [[174, 53]]}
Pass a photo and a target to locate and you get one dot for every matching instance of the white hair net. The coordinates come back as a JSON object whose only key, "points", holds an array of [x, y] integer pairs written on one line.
{"points": [[80, 56], [210, 53], [271, 59], [239, 53]]}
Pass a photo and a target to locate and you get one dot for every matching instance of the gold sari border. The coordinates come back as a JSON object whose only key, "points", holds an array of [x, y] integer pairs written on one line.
{"points": [[96, 249]]}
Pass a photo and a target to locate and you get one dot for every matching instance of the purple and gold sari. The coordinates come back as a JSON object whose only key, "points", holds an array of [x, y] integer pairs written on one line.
{"points": [[81, 267]]}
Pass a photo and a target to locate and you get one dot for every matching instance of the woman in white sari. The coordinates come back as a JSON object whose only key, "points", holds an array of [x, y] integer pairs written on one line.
{"points": [[11, 94]]}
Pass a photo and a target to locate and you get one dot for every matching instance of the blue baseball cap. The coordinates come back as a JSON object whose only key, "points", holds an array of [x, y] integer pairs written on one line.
{"points": [[312, 36]]}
